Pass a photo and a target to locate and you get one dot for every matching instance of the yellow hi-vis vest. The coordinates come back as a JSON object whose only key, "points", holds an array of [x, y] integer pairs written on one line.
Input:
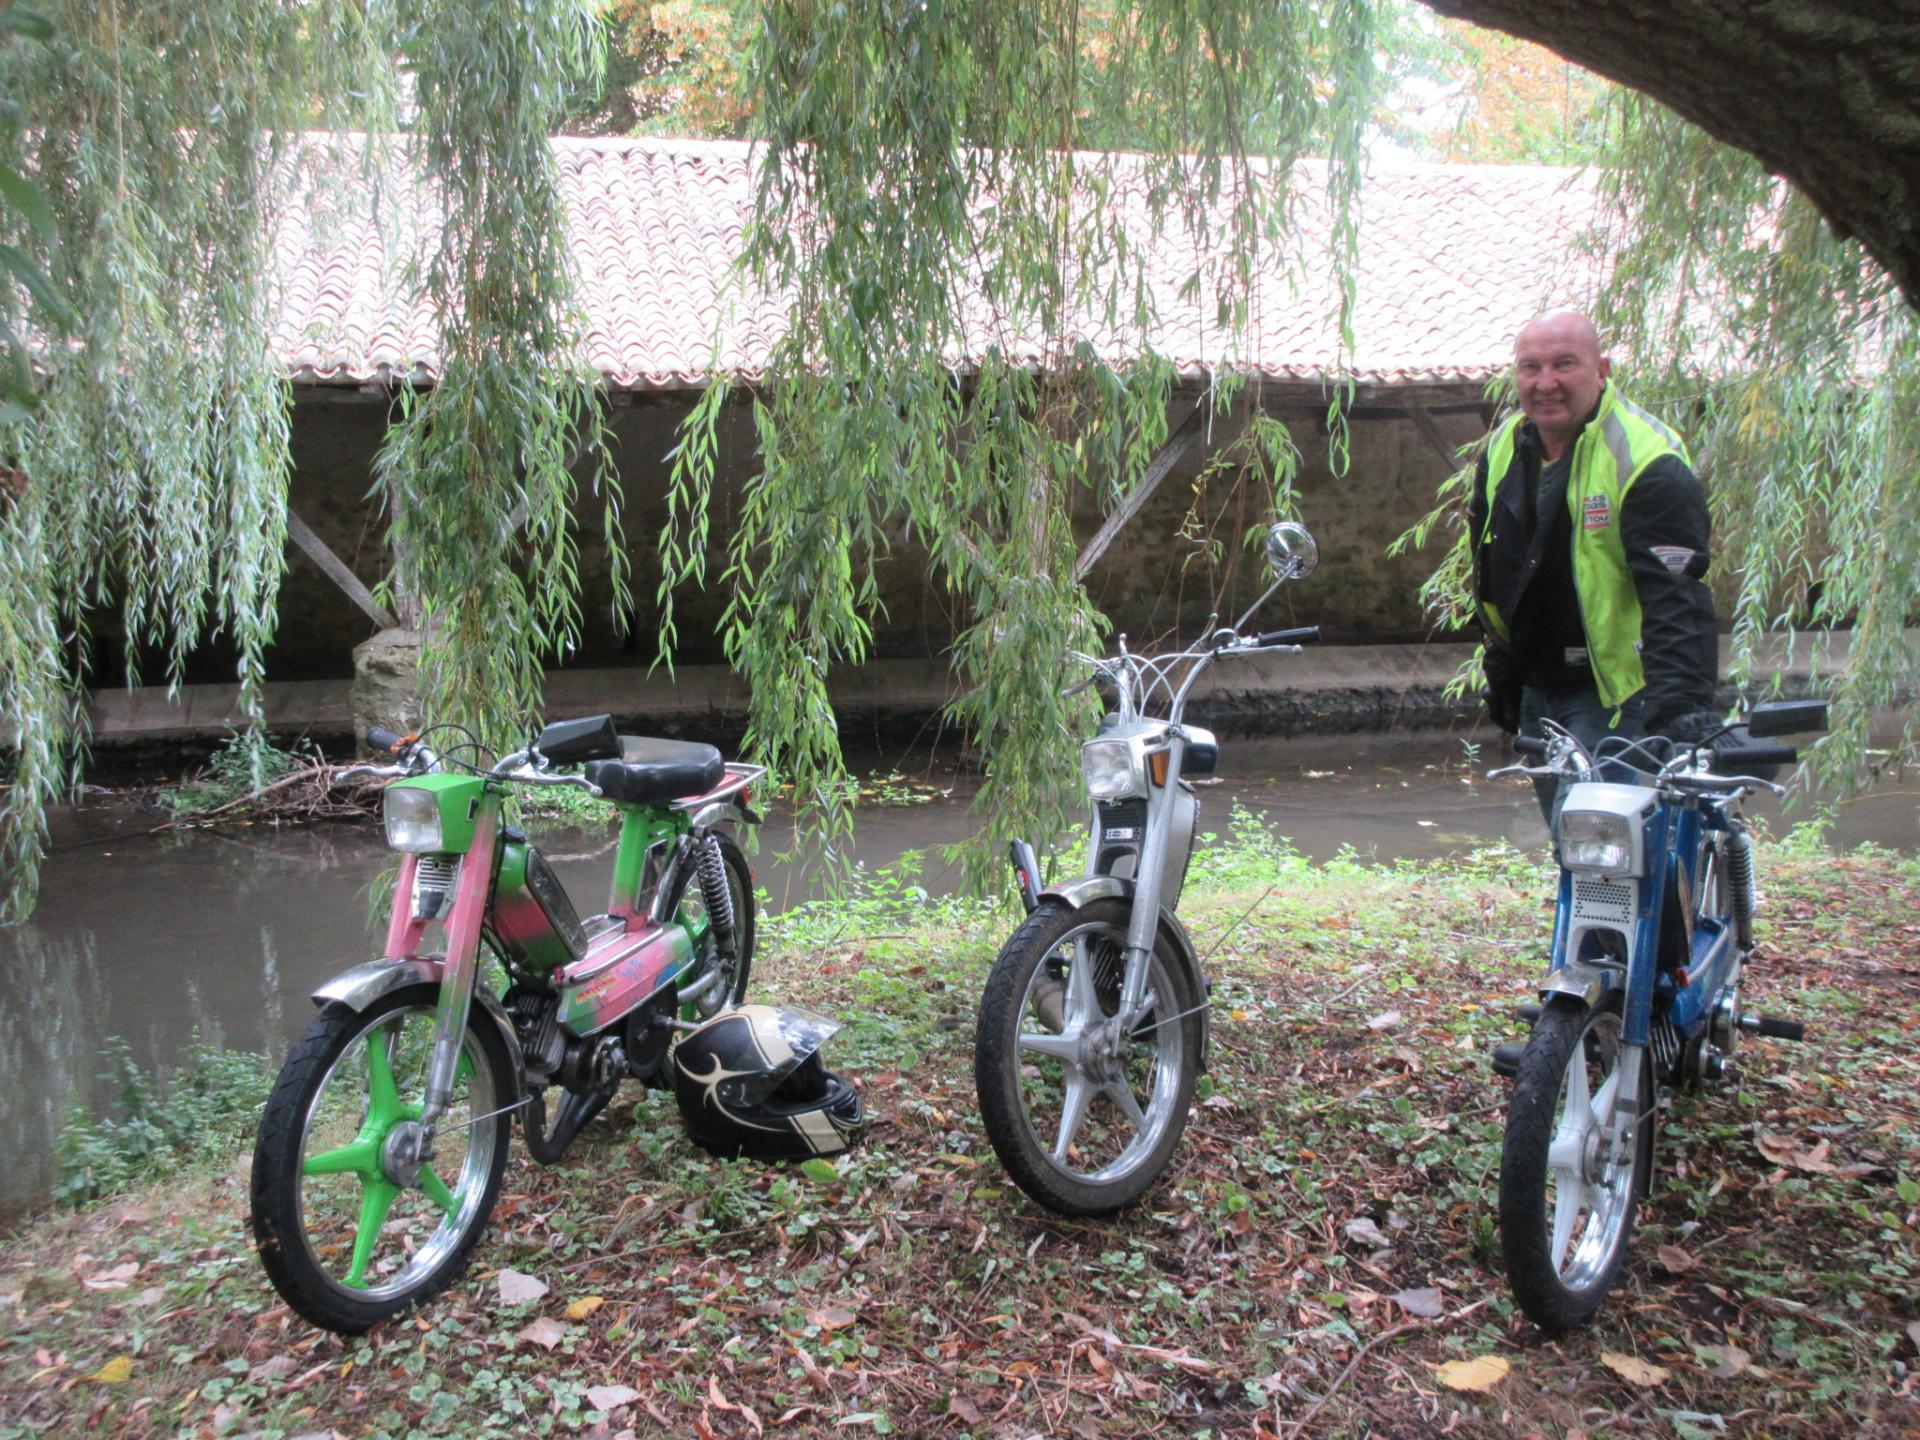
{"points": [[1618, 443]]}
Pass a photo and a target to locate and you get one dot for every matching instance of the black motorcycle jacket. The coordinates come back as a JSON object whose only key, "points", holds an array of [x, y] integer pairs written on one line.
{"points": [[1525, 568]]}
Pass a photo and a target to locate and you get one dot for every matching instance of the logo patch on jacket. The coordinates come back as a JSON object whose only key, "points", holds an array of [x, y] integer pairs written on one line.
{"points": [[1677, 558], [1599, 513]]}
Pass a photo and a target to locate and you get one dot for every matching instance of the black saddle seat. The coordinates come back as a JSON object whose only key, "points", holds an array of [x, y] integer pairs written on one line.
{"points": [[652, 772]]}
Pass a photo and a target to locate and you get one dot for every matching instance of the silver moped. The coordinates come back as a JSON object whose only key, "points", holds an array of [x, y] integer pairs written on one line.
{"points": [[1093, 1027]]}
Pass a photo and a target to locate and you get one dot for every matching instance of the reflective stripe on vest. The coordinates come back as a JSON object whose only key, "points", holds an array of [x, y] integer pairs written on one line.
{"points": [[1608, 456]]}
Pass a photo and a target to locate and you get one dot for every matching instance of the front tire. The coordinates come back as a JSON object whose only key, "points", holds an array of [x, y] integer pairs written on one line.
{"points": [[1566, 1214], [349, 1233], [1083, 1117]]}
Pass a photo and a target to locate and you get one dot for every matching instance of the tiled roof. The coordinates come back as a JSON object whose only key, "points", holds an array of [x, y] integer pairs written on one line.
{"points": [[1454, 258]]}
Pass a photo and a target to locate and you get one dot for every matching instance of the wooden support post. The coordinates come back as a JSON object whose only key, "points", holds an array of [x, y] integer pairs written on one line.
{"points": [[1430, 428], [335, 569], [1175, 447]]}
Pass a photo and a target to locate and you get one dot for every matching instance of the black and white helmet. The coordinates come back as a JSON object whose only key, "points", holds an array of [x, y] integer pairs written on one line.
{"points": [[750, 1082]]}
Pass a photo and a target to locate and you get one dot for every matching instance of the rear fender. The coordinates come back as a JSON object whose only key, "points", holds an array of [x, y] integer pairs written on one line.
{"points": [[363, 985], [1080, 893], [723, 812]]}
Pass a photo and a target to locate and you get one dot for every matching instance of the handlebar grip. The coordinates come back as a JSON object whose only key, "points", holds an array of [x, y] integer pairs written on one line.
{"points": [[1305, 635], [384, 741], [1527, 745], [1774, 1029], [1731, 760]]}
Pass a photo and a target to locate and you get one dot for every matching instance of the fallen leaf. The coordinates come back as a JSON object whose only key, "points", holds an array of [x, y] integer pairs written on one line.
{"points": [[116, 1371], [585, 1306], [831, 1318], [1727, 1360], [1385, 1020], [611, 1397], [544, 1332], [821, 1172], [114, 1279], [1367, 1233], [722, 1403], [963, 1410], [1674, 1260], [518, 1289], [1913, 1334], [272, 1369], [1634, 1370], [1424, 1303], [1782, 1151], [1483, 1372]]}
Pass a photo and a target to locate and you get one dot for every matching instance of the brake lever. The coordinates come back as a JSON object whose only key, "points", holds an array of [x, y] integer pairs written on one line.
{"points": [[1530, 771], [356, 772]]}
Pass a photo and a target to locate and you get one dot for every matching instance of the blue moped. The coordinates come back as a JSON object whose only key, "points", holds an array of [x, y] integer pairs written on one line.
{"points": [[1652, 930]]}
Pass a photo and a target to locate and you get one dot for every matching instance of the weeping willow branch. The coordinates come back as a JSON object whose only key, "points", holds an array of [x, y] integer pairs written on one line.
{"points": [[970, 296], [154, 469], [1799, 365], [491, 443]]}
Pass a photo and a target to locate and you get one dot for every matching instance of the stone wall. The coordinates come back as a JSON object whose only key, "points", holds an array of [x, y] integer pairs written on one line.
{"points": [[1156, 577]]}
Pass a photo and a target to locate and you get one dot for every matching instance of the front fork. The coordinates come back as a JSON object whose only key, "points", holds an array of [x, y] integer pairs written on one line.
{"points": [[1144, 923], [462, 966]]}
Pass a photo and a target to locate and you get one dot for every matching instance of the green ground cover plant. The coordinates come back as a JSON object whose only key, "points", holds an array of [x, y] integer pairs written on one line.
{"points": [[1317, 1257]]}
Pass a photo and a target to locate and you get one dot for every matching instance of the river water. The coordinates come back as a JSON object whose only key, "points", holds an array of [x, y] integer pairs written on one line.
{"points": [[221, 934]]}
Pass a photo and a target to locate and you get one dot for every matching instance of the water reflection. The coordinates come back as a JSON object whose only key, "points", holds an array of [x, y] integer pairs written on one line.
{"points": [[50, 991]]}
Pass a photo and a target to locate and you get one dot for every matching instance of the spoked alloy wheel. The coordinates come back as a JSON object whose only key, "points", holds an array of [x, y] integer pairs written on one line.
{"points": [[1567, 1194], [1083, 1112], [351, 1228]]}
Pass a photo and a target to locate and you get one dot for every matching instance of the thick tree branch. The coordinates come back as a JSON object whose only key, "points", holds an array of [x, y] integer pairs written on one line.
{"points": [[1824, 92]]}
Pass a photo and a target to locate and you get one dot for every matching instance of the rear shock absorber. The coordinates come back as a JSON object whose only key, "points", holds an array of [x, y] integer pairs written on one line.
{"points": [[1740, 885], [717, 894]]}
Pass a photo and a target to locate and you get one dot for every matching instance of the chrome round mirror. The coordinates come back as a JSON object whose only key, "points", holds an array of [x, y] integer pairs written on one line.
{"points": [[1291, 551]]}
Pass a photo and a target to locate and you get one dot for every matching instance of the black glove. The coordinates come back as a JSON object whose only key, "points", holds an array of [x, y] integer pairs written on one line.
{"points": [[1503, 690]]}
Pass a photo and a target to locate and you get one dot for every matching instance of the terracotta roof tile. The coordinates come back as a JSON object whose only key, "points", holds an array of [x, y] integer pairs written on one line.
{"points": [[1452, 260]]}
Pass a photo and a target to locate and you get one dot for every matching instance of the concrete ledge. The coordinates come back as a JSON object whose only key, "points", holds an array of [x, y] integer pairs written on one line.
{"points": [[1333, 689]]}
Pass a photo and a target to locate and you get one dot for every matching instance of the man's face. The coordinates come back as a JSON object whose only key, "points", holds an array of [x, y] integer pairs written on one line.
{"points": [[1559, 371]]}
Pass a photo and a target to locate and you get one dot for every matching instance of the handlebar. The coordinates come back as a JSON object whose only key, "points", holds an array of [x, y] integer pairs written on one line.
{"points": [[1527, 745], [384, 741], [1304, 635], [1757, 755]]}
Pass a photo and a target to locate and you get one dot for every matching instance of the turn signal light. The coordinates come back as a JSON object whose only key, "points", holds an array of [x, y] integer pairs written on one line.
{"points": [[1157, 766]]}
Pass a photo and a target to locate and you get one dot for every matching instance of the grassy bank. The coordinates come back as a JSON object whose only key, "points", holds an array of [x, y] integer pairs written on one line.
{"points": [[915, 1291]]}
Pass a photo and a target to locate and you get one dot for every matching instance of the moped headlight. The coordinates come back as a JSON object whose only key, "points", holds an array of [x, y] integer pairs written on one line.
{"points": [[1111, 770], [413, 819], [1596, 841]]}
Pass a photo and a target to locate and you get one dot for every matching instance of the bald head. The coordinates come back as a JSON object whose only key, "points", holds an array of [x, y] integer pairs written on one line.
{"points": [[1559, 370]]}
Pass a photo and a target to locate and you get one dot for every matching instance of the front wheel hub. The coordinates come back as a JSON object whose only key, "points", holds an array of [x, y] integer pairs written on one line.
{"points": [[405, 1154], [1102, 1062]]}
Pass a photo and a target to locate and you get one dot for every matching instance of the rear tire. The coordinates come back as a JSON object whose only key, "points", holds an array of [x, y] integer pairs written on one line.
{"points": [[1565, 1218], [1033, 1068], [344, 1243]]}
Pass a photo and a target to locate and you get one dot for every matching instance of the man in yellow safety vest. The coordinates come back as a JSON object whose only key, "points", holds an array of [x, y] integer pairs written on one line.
{"points": [[1590, 545]]}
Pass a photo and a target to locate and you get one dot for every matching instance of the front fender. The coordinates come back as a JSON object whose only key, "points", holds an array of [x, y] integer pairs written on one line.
{"points": [[1584, 982], [1080, 893], [363, 985]]}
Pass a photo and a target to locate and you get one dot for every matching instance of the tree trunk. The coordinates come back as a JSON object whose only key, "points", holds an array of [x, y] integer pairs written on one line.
{"points": [[1824, 92]]}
